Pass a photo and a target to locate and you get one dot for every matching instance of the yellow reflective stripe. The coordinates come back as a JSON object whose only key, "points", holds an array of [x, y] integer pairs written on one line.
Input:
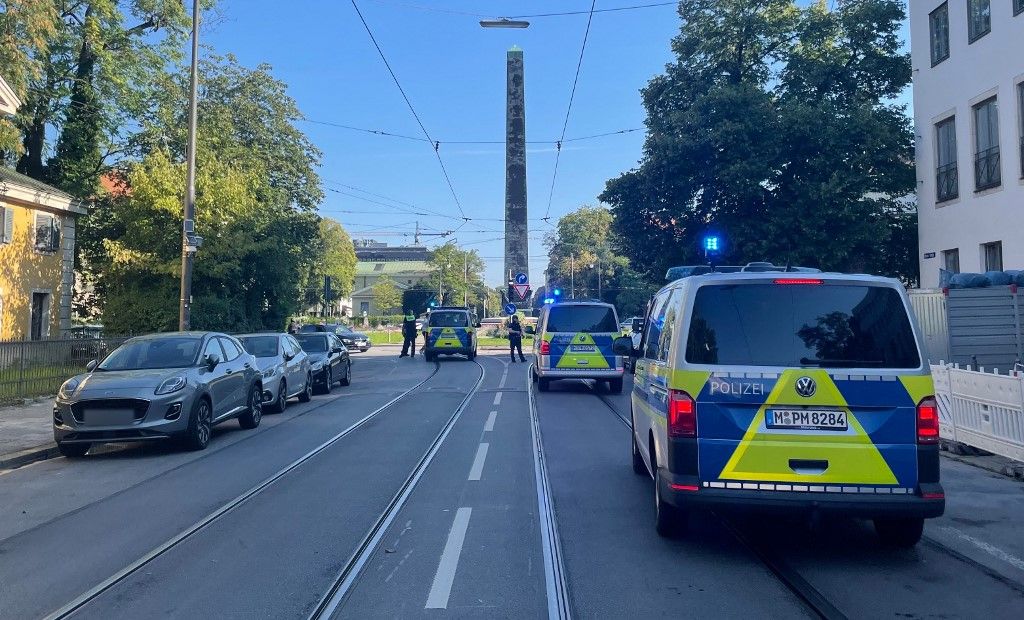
{"points": [[690, 381], [918, 386]]}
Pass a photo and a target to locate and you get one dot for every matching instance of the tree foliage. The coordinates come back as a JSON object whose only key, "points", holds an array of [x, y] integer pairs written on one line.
{"points": [[775, 127], [461, 273], [387, 295]]}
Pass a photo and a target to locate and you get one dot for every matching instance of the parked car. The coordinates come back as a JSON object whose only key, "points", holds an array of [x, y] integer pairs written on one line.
{"points": [[163, 386], [329, 361], [352, 340], [285, 368]]}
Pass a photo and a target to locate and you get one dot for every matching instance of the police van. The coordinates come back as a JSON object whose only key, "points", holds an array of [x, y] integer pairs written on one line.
{"points": [[782, 391], [450, 331], [574, 341]]}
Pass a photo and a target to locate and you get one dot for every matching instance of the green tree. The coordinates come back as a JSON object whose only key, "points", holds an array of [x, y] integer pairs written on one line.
{"points": [[386, 295], [580, 255], [336, 258], [461, 273], [26, 27], [775, 127]]}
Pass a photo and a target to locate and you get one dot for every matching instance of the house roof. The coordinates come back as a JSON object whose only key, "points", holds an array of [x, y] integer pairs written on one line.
{"points": [[391, 268], [17, 186], [367, 291], [9, 102]]}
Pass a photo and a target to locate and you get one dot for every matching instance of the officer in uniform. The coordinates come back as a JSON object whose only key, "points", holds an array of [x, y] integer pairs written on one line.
{"points": [[515, 338], [409, 335]]}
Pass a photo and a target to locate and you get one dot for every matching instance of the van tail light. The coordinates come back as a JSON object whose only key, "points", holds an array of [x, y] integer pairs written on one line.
{"points": [[682, 414], [928, 421], [545, 347], [799, 281]]}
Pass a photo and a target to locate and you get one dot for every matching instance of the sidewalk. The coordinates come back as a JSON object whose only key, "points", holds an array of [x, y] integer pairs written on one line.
{"points": [[26, 433]]}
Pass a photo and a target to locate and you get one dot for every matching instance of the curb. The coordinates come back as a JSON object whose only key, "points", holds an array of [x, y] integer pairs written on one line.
{"points": [[28, 455], [996, 465]]}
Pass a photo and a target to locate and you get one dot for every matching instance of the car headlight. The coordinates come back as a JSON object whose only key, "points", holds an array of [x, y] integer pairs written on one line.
{"points": [[171, 385], [68, 388], [270, 372], [315, 366]]}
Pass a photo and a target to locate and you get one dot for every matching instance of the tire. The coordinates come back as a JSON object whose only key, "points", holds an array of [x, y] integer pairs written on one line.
{"points": [[902, 533], [200, 426], [282, 398], [472, 356], [543, 384], [639, 466], [73, 450], [615, 386], [533, 374], [306, 395], [250, 418], [669, 521], [328, 380], [347, 379], [429, 357]]}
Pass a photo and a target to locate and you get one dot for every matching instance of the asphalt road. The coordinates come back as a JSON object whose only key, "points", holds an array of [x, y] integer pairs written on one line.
{"points": [[451, 489]]}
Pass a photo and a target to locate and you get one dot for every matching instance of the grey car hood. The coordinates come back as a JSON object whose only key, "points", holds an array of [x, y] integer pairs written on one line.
{"points": [[127, 379], [264, 363]]}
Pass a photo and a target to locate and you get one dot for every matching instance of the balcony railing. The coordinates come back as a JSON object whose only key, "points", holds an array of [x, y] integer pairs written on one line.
{"points": [[947, 186], [986, 169]]}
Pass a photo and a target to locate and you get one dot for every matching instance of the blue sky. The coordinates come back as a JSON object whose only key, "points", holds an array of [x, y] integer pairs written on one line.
{"points": [[454, 73]]}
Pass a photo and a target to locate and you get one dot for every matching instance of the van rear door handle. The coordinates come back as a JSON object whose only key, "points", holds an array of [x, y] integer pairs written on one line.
{"points": [[808, 466]]}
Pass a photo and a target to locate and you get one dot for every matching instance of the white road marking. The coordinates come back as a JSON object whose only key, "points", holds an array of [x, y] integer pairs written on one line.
{"points": [[489, 425], [992, 550], [478, 462], [441, 589], [504, 376], [497, 398]]}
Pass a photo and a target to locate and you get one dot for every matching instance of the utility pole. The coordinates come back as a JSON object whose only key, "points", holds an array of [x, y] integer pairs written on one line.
{"points": [[465, 300], [572, 276], [189, 242]]}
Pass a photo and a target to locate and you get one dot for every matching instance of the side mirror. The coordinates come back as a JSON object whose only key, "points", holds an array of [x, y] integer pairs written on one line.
{"points": [[212, 360], [337, 350], [623, 346], [289, 357], [638, 326], [91, 365]]}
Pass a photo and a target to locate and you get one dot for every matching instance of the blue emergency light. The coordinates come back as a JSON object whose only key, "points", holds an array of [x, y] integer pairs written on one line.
{"points": [[549, 300], [712, 243], [558, 292]]}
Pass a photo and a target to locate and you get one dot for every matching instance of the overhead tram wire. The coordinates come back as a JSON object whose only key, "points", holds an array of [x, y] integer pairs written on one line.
{"points": [[568, 111], [391, 134], [432, 9], [437, 145]]}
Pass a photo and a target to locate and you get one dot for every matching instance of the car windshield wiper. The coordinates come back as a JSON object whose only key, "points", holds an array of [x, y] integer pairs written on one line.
{"points": [[844, 363]]}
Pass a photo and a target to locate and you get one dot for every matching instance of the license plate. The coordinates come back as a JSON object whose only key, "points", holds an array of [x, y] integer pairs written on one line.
{"points": [[582, 348], [108, 417], [806, 419]]}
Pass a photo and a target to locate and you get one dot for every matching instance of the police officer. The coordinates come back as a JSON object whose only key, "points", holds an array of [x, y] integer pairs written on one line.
{"points": [[409, 335], [515, 338]]}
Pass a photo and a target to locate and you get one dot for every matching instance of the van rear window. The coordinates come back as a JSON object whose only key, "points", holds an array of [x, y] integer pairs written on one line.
{"points": [[827, 325], [589, 319]]}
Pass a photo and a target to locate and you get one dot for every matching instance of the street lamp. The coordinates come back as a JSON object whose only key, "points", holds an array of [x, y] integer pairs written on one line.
{"points": [[598, 277], [504, 22]]}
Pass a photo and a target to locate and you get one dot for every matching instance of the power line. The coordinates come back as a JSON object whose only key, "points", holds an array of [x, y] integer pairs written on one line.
{"points": [[592, 11], [437, 145], [391, 134], [572, 96]]}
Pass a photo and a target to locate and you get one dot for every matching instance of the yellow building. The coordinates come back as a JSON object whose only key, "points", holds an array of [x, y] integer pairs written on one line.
{"points": [[37, 257]]}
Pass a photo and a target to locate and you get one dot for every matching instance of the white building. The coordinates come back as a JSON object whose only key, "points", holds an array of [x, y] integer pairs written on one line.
{"points": [[968, 59]]}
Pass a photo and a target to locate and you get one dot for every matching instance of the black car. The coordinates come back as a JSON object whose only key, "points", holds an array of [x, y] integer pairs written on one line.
{"points": [[329, 360], [353, 340]]}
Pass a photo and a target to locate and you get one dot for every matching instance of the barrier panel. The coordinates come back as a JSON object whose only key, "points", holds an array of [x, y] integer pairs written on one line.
{"points": [[981, 409]]}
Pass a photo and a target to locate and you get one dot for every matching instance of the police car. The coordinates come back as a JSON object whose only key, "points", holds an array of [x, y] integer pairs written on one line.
{"points": [[450, 331], [783, 391], [574, 341]]}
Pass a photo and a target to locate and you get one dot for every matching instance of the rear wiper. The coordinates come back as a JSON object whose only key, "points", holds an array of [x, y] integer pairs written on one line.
{"points": [[845, 363]]}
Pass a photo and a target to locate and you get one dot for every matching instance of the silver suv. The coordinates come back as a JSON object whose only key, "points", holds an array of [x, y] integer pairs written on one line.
{"points": [[162, 386], [285, 368]]}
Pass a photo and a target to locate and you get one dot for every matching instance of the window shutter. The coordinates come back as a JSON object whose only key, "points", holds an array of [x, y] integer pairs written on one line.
{"points": [[55, 225], [42, 231], [8, 229]]}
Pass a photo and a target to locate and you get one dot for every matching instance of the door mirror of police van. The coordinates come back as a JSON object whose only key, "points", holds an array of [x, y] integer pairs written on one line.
{"points": [[211, 361], [91, 365], [638, 326], [623, 346]]}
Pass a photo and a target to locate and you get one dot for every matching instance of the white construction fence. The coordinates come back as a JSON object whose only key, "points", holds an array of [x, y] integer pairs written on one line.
{"points": [[981, 409]]}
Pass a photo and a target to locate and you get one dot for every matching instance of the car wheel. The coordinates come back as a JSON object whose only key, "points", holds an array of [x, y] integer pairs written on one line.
{"points": [[73, 450], [306, 394], [328, 380], [472, 356], [347, 379], [615, 386], [669, 521], [543, 384], [639, 466], [251, 417], [903, 533], [282, 398], [200, 426], [533, 373]]}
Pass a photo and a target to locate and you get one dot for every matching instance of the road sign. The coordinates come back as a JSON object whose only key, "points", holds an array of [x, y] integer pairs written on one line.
{"points": [[522, 290], [522, 278], [510, 309]]}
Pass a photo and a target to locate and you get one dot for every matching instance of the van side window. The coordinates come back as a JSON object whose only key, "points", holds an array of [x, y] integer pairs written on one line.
{"points": [[652, 335], [669, 314]]}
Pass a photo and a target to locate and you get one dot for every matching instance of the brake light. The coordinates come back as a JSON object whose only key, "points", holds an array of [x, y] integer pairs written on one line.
{"points": [[928, 420], [682, 414], [545, 347], [933, 495], [684, 487], [798, 281]]}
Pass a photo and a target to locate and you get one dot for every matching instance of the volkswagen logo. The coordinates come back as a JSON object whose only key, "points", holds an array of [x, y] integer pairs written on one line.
{"points": [[806, 387]]}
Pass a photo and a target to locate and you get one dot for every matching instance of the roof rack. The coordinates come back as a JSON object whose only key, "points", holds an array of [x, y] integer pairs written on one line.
{"points": [[685, 271]]}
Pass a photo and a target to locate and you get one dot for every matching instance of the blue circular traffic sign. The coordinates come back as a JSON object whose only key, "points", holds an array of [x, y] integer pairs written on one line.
{"points": [[510, 309], [522, 278]]}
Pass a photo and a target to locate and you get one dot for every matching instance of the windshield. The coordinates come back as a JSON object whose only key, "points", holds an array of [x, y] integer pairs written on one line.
{"points": [[169, 352], [851, 326], [449, 319], [261, 346], [312, 343], [588, 319]]}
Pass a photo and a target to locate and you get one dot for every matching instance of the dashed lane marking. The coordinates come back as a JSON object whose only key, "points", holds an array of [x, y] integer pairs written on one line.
{"points": [[489, 425], [441, 589], [477, 469], [497, 398]]}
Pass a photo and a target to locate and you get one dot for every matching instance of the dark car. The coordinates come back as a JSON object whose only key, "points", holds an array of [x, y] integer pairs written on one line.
{"points": [[329, 360], [353, 340]]}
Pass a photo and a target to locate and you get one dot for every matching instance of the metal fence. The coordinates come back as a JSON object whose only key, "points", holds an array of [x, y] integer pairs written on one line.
{"points": [[37, 367], [981, 409]]}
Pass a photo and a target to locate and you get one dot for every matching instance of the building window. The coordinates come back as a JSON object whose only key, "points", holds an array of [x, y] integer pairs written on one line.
{"points": [[364, 307], [39, 322], [951, 260], [6, 224], [986, 145], [47, 233], [1018, 7], [947, 184], [938, 21], [979, 19], [992, 256]]}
